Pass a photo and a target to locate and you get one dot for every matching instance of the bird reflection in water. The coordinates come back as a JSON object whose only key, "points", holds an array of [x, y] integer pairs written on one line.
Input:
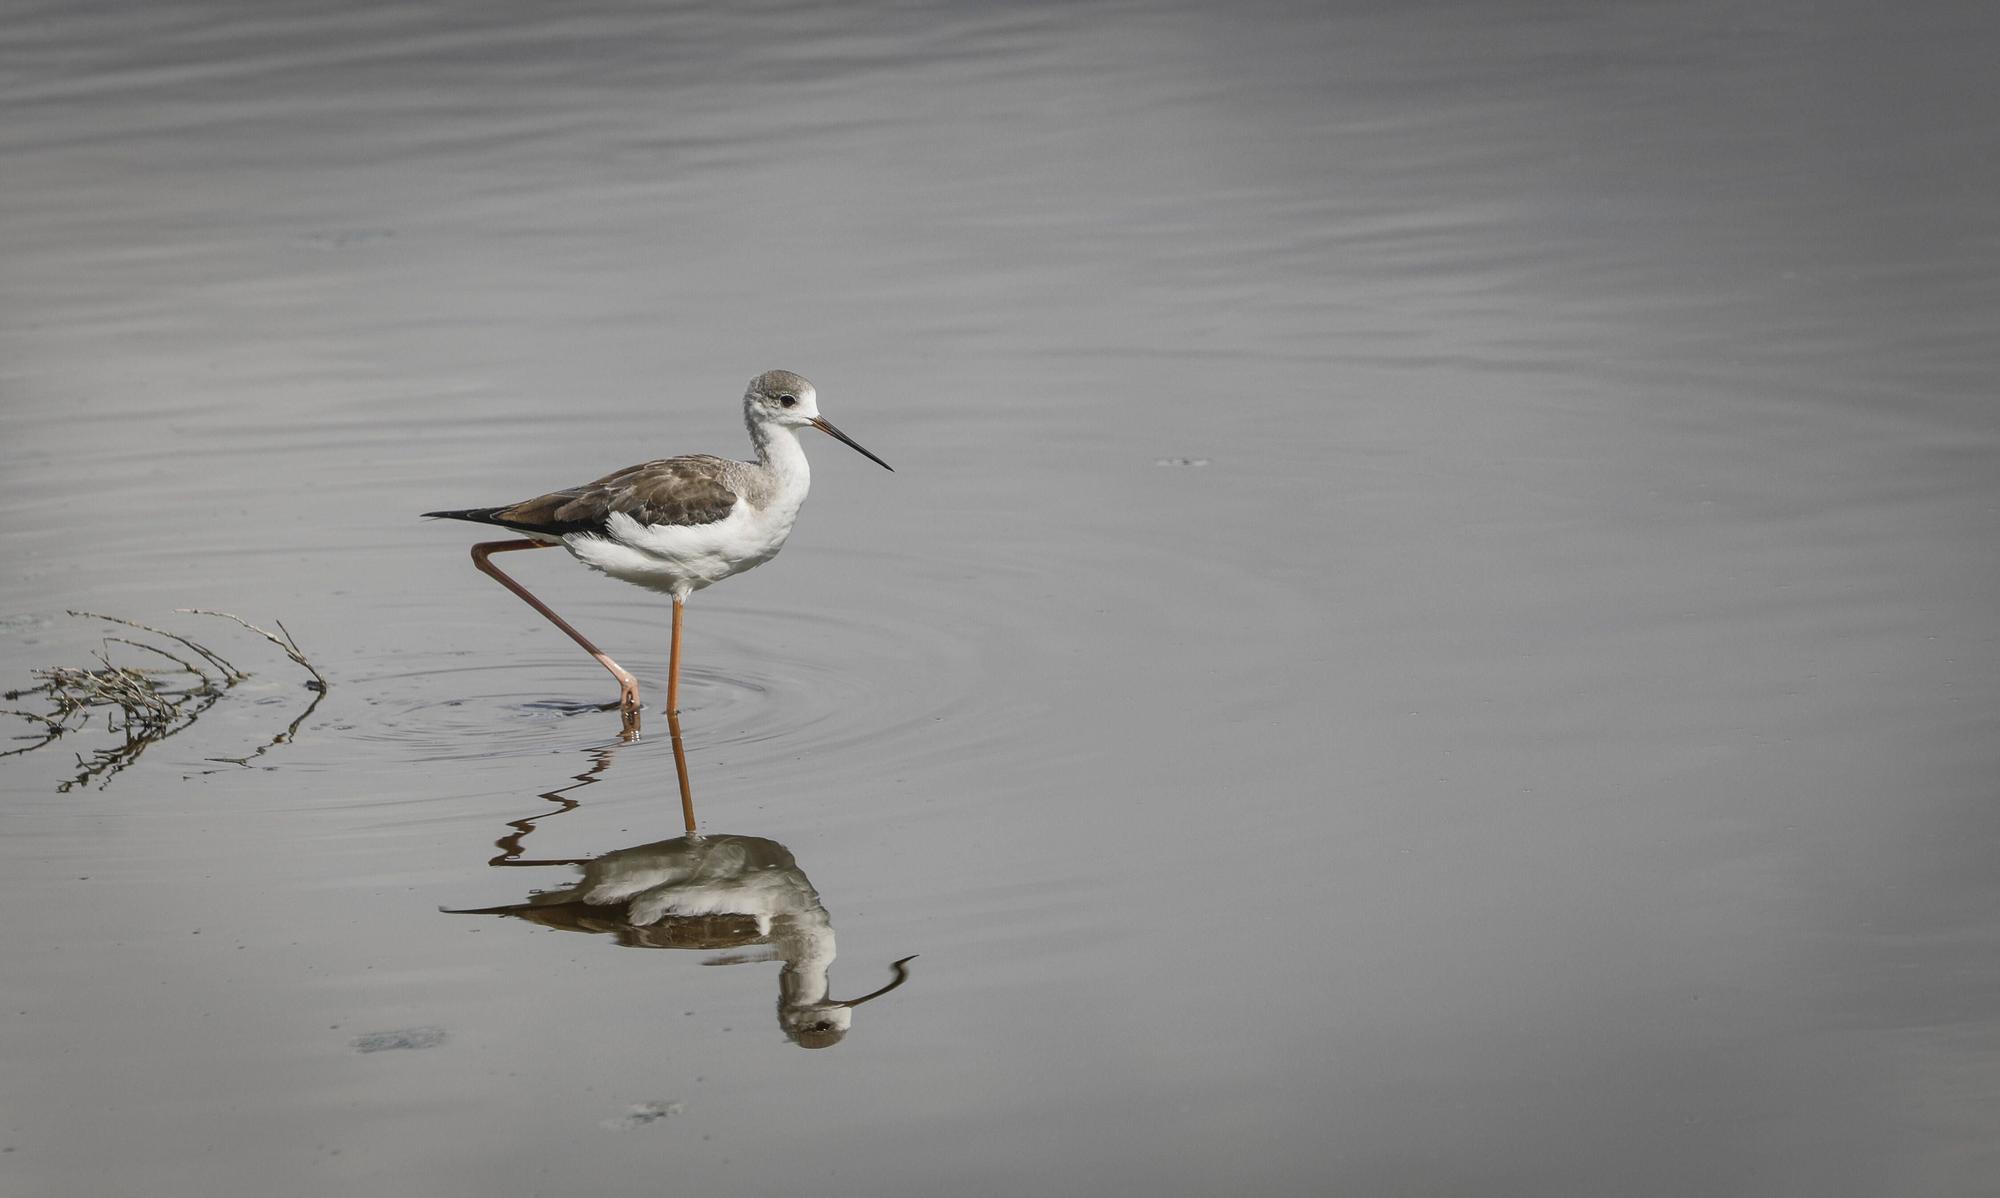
{"points": [[742, 898]]}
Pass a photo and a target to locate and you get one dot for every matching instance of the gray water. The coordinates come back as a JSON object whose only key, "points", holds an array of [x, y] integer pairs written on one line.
{"points": [[1434, 631]]}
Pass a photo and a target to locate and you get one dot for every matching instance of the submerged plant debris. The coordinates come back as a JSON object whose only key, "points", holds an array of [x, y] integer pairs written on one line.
{"points": [[640, 1114], [146, 703], [401, 1039]]}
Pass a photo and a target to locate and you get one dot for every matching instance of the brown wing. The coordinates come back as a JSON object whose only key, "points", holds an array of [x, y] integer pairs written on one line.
{"points": [[687, 490]]}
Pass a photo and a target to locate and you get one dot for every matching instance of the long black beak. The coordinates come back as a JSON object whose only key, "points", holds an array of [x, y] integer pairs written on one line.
{"points": [[901, 967], [821, 423]]}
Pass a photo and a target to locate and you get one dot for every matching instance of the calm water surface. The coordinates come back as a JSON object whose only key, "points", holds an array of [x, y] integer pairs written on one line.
{"points": [[1434, 632]]}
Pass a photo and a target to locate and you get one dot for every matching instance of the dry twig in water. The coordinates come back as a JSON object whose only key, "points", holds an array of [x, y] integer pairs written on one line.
{"points": [[152, 704], [285, 642], [213, 658]]}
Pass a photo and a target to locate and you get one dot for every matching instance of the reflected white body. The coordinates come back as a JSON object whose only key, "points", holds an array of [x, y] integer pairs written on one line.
{"points": [[673, 886]]}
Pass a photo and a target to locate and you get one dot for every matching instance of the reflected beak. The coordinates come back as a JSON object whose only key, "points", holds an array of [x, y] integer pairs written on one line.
{"points": [[821, 423], [901, 967]]}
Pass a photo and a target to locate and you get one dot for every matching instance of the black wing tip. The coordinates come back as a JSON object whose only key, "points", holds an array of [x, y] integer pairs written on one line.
{"points": [[483, 515], [492, 516]]}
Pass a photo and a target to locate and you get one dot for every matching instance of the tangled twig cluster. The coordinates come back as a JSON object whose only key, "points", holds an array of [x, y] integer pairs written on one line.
{"points": [[143, 705]]}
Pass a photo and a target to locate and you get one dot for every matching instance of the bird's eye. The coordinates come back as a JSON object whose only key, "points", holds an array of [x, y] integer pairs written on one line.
{"points": [[788, 401]]}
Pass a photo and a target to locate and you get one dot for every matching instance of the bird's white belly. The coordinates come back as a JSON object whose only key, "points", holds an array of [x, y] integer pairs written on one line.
{"points": [[684, 557]]}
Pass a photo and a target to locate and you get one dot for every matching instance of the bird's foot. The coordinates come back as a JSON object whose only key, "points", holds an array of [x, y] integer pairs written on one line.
{"points": [[629, 710]]}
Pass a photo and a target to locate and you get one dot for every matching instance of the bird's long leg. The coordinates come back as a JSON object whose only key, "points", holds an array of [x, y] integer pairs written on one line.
{"points": [[674, 663], [674, 718], [628, 686]]}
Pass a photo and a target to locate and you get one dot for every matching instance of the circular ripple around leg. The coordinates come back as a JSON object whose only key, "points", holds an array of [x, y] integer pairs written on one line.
{"points": [[484, 711]]}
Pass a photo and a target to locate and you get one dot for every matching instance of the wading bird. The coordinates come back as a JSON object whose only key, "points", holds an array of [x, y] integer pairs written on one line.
{"points": [[674, 525]]}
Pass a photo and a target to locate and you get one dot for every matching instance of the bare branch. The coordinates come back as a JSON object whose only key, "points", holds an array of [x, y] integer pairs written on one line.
{"points": [[285, 642], [212, 657], [182, 662]]}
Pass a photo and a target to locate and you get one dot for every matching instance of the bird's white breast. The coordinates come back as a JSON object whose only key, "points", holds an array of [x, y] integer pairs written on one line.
{"points": [[685, 557]]}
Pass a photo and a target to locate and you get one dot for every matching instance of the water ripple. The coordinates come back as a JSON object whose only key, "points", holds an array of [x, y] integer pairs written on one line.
{"points": [[759, 683]]}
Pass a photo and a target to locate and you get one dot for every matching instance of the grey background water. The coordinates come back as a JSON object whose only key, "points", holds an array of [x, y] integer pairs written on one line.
{"points": [[1548, 747]]}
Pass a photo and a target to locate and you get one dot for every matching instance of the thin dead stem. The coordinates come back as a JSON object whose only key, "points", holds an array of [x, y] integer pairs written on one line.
{"points": [[182, 662], [213, 658], [285, 642]]}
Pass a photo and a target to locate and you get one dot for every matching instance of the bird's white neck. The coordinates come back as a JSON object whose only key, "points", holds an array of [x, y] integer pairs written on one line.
{"points": [[779, 451], [806, 947]]}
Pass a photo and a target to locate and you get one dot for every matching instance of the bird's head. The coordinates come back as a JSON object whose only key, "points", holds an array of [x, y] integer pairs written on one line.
{"points": [[787, 400]]}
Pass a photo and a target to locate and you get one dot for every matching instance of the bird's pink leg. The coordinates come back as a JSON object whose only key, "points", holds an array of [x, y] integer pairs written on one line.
{"points": [[628, 686], [674, 719], [674, 665]]}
